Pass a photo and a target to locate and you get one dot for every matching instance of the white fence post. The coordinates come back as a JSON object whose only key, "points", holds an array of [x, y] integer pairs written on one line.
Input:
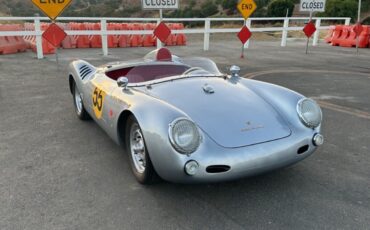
{"points": [[347, 22], [248, 23], [317, 32], [40, 53], [207, 27], [159, 43], [104, 37], [284, 34]]}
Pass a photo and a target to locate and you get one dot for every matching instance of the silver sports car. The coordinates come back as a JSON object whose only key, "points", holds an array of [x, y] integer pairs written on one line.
{"points": [[182, 120]]}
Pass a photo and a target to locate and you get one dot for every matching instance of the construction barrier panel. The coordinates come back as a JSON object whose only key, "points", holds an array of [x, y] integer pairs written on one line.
{"points": [[345, 36], [14, 44]]}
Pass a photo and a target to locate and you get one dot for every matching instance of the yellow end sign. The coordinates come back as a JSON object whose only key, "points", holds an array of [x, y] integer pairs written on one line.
{"points": [[52, 8], [247, 7]]}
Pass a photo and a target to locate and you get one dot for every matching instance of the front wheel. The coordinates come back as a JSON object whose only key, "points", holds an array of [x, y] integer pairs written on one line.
{"points": [[79, 106], [140, 162]]}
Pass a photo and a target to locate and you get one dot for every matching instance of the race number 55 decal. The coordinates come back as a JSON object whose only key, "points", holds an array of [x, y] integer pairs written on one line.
{"points": [[98, 102]]}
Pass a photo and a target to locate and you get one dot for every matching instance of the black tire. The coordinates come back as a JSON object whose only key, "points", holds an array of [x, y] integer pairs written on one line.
{"points": [[148, 175], [81, 113]]}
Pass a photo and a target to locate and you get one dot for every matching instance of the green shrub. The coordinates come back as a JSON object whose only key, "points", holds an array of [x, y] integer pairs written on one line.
{"points": [[341, 8], [229, 4], [278, 8], [209, 8]]}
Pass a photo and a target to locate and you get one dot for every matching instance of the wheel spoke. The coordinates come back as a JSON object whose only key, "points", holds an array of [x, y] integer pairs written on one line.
{"points": [[78, 100], [137, 148]]}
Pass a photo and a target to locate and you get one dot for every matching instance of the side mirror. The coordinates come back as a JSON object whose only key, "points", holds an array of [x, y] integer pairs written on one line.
{"points": [[122, 82], [234, 70]]}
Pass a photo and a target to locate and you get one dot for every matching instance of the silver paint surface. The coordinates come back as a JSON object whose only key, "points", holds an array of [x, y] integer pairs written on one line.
{"points": [[249, 125]]}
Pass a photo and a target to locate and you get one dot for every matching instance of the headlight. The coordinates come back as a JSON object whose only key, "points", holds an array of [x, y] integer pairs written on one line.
{"points": [[309, 112], [184, 136]]}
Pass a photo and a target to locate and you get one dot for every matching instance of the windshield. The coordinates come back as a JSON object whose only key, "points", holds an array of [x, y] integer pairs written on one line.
{"points": [[202, 63]]}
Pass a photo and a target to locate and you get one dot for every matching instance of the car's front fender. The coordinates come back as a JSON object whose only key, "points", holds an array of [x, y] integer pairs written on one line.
{"points": [[283, 100]]}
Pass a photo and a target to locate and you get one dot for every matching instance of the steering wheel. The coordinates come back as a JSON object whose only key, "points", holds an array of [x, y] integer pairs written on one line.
{"points": [[192, 69]]}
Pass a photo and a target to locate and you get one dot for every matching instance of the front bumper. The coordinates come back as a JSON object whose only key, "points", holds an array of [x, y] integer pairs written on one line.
{"points": [[243, 161]]}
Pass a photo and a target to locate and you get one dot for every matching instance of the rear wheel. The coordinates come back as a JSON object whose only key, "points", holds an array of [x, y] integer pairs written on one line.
{"points": [[140, 162], [79, 106]]}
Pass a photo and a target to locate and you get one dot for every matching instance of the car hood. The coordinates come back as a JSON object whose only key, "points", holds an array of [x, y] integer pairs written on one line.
{"points": [[233, 115]]}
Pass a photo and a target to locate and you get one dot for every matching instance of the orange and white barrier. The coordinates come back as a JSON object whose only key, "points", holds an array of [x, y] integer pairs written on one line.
{"points": [[345, 36], [12, 44]]}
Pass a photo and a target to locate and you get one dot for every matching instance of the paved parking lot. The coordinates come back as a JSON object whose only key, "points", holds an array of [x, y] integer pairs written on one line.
{"points": [[57, 172]]}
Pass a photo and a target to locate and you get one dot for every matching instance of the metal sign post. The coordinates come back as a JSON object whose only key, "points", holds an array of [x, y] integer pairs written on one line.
{"points": [[159, 43], [53, 9], [358, 21], [242, 55], [311, 6], [246, 8], [56, 48], [160, 5]]}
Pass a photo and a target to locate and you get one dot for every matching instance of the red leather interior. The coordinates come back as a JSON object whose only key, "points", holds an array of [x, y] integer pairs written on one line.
{"points": [[147, 72]]}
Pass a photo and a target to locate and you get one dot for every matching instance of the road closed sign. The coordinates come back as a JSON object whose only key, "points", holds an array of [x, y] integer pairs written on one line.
{"points": [[159, 4], [312, 5], [52, 8]]}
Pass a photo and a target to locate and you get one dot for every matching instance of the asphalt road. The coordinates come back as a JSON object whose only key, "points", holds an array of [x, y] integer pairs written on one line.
{"points": [[57, 172]]}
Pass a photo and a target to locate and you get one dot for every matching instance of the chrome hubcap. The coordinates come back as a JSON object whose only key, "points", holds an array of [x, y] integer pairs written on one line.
{"points": [[137, 148], [78, 100]]}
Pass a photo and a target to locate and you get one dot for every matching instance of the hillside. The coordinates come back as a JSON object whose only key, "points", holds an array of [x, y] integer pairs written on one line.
{"points": [[104, 8], [188, 8]]}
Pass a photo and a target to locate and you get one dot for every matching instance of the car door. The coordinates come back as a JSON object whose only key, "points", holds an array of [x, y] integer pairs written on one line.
{"points": [[99, 99]]}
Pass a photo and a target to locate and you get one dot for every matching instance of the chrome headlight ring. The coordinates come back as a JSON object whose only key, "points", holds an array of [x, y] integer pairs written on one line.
{"points": [[184, 135], [309, 112]]}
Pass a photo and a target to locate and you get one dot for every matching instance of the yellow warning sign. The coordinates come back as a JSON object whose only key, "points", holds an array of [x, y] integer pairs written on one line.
{"points": [[52, 8], [247, 7]]}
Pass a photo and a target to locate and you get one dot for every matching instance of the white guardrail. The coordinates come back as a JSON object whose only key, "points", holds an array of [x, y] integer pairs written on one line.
{"points": [[207, 30]]}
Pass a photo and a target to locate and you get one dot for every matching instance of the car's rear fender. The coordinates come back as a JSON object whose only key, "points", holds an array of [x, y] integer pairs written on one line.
{"points": [[80, 71]]}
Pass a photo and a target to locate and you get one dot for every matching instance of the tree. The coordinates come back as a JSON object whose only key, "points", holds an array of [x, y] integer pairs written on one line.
{"points": [[278, 8], [229, 4], [341, 8], [209, 8]]}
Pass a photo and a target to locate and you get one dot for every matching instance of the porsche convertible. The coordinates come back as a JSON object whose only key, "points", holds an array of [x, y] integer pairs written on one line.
{"points": [[182, 120]]}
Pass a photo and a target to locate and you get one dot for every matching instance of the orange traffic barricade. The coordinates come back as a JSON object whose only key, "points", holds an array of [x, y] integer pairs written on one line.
{"points": [[112, 39], [180, 38], [330, 34], [123, 40], [95, 40], [336, 33], [149, 39], [12, 44], [171, 40], [82, 40], [136, 40], [69, 42], [363, 40], [343, 36], [350, 40]]}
